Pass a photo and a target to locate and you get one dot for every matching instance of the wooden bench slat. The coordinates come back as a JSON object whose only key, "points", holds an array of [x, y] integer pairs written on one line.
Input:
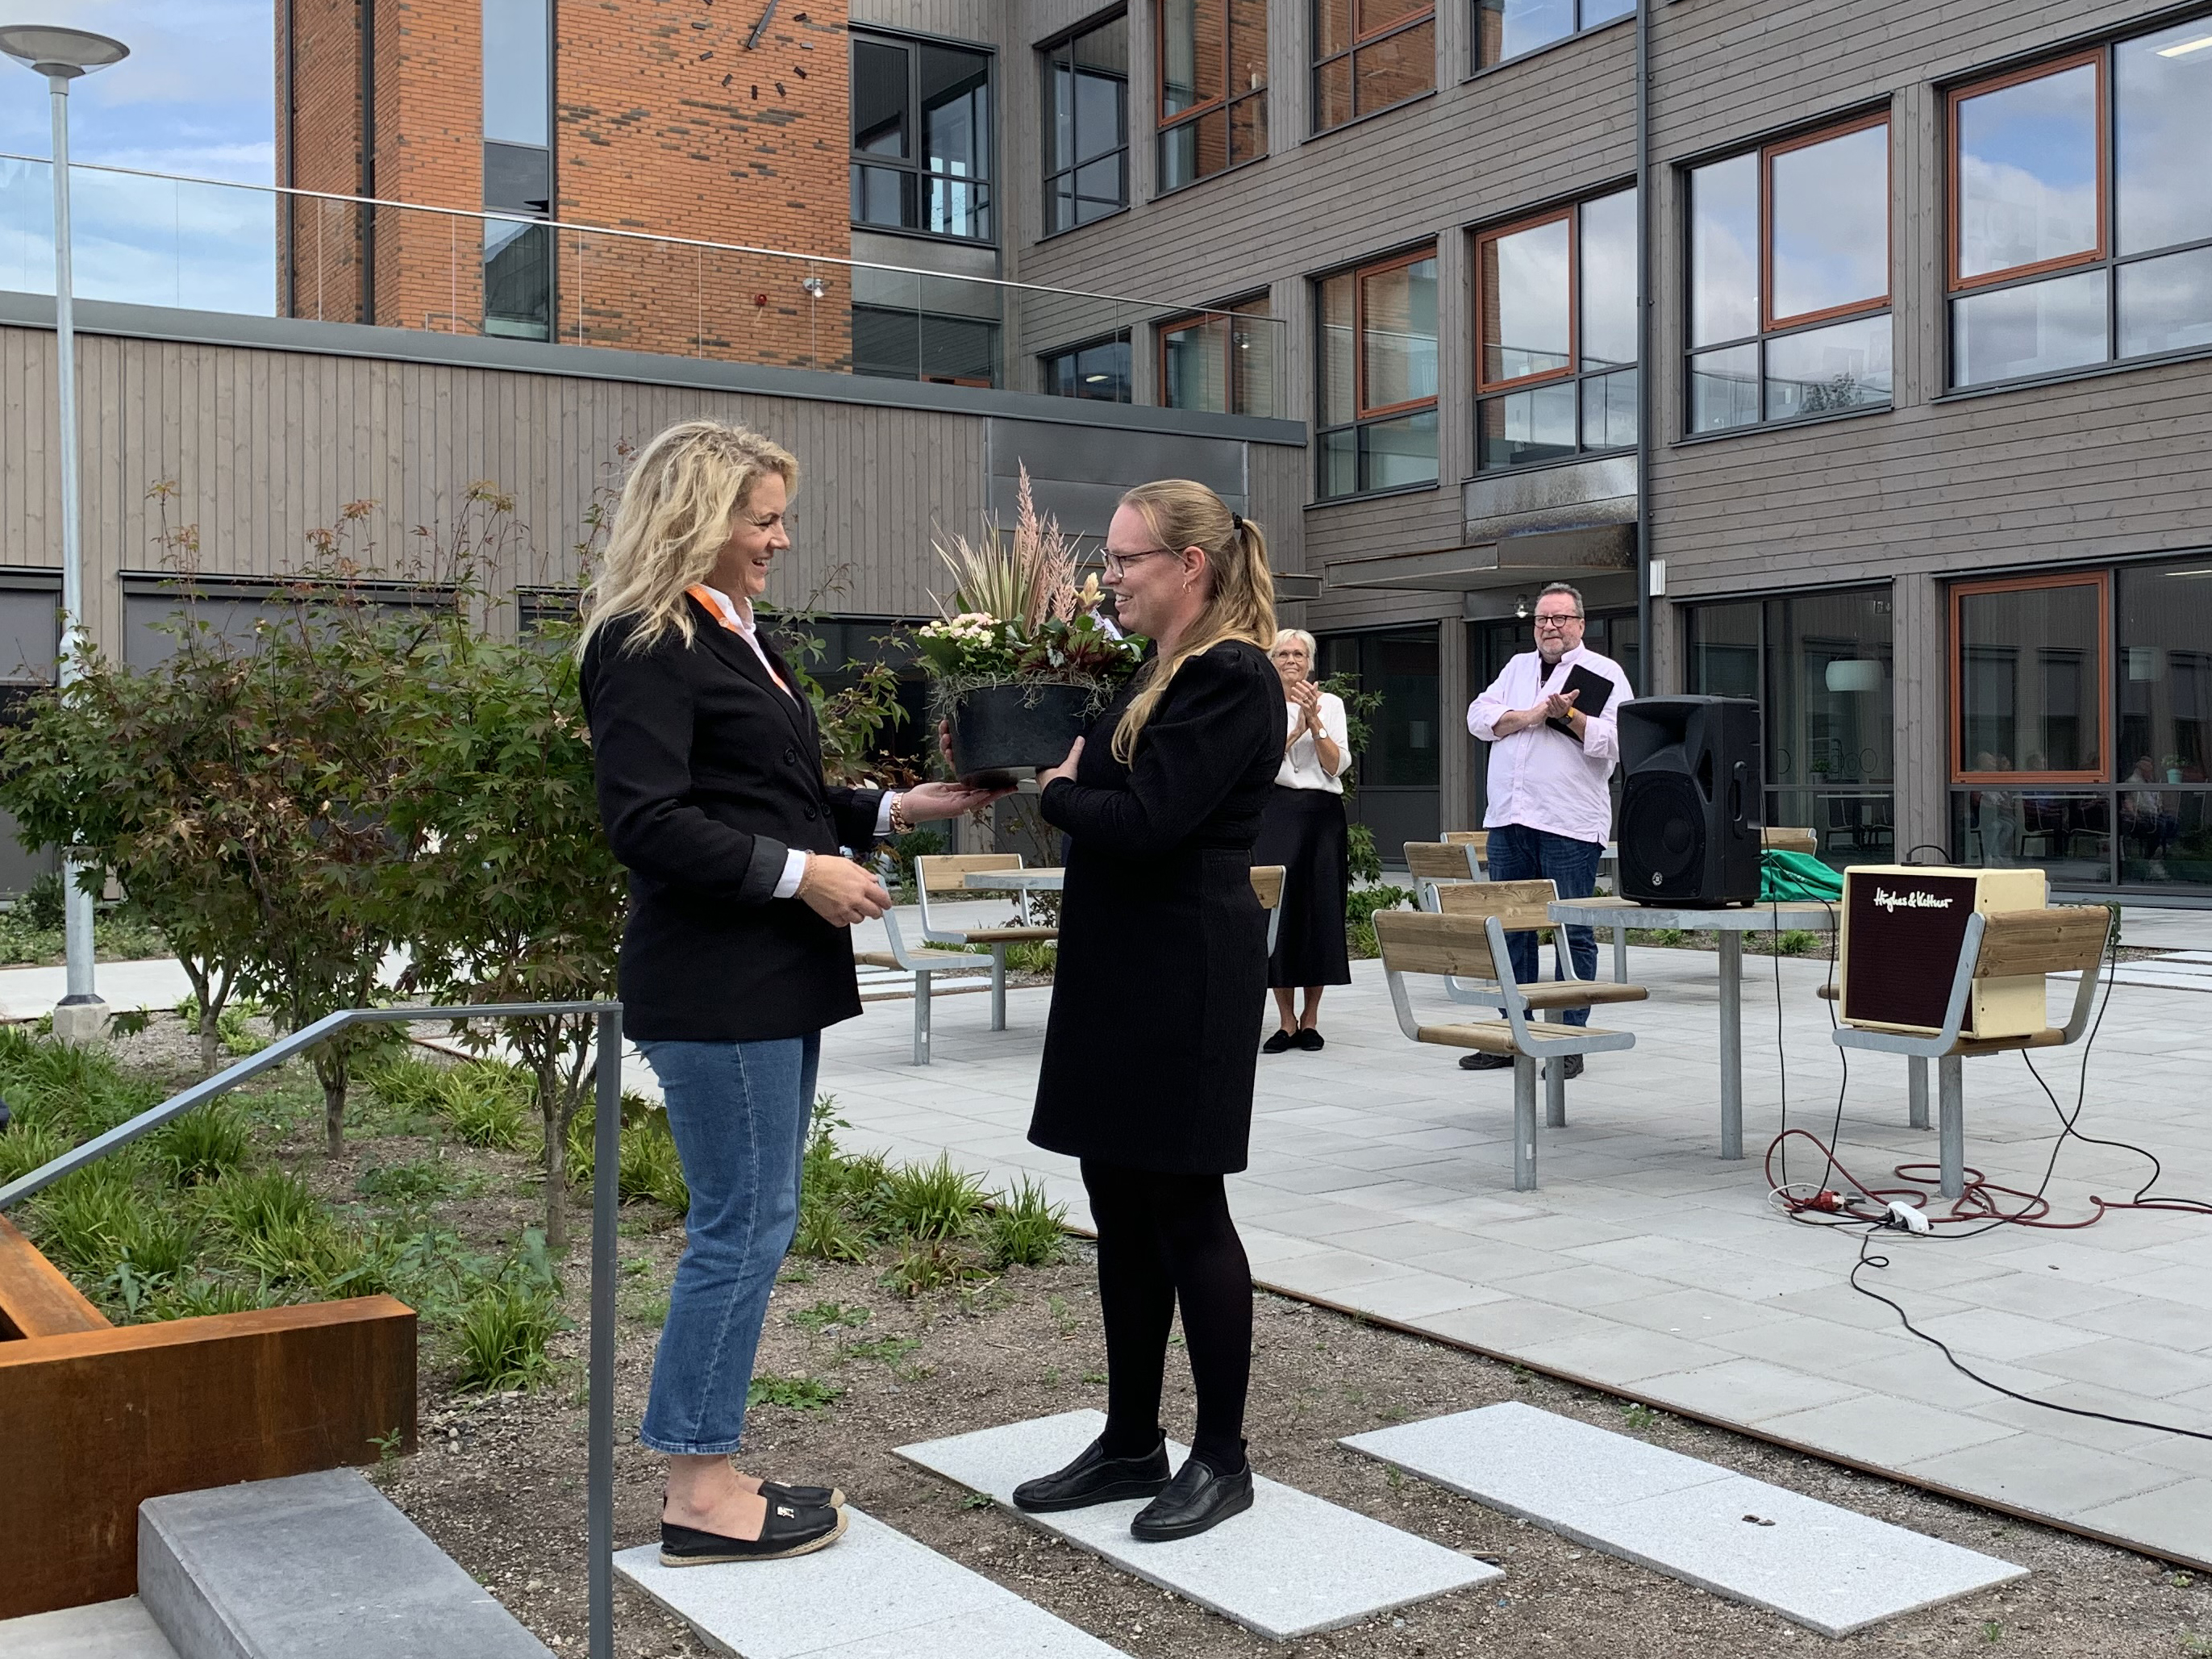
{"points": [[1007, 935], [2060, 940], [36, 1297], [1495, 1036]]}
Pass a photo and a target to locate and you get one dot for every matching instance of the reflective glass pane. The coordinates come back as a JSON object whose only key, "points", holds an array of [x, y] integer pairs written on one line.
{"points": [[883, 195], [1605, 285], [517, 280], [1724, 389], [1525, 291], [1609, 411], [1724, 250], [1339, 462], [880, 97], [1247, 128], [1179, 156], [1099, 372], [1106, 47], [2166, 304], [2066, 834], [959, 207], [1252, 359], [1825, 369], [1604, 11], [1191, 67], [1194, 362], [1396, 68], [2166, 672], [1332, 95], [1724, 649], [2030, 680], [1375, 15], [1398, 317], [1854, 826], [1400, 452], [2038, 328], [1830, 691], [1522, 427], [955, 109], [1508, 27], [2027, 171], [1247, 46], [1060, 96], [2162, 166], [2165, 836], [1102, 104], [1332, 28], [518, 88], [1339, 404], [1101, 187], [1830, 217]]}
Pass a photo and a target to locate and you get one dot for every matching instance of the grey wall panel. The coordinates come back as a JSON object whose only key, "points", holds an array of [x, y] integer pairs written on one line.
{"points": [[1075, 455], [955, 20]]}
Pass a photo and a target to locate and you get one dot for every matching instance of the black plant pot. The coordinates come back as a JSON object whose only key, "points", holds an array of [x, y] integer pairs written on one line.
{"points": [[1004, 734]]}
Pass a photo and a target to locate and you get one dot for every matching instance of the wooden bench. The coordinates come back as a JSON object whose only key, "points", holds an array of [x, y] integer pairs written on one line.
{"points": [[1433, 863], [2000, 945], [1469, 950], [944, 874], [1267, 883]]}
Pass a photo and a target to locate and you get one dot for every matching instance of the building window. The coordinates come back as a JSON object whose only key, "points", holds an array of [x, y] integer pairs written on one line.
{"points": [[2082, 210], [1399, 772], [921, 137], [1789, 280], [1377, 361], [1555, 373], [2164, 757], [1098, 369], [1213, 87], [517, 169], [1820, 667], [1218, 361], [1086, 125], [2028, 678], [1370, 55], [897, 343], [1507, 28]]}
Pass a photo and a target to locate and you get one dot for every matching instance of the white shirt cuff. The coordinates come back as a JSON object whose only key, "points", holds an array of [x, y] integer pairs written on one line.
{"points": [[883, 811], [794, 871]]}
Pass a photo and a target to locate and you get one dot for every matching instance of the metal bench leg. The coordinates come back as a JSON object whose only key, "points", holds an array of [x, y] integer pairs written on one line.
{"points": [[1951, 1085], [1524, 1124], [1620, 956], [922, 1018], [1555, 1093], [1916, 1091], [998, 988]]}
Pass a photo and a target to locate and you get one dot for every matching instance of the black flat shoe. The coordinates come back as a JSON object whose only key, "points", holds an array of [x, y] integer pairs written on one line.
{"points": [[1094, 1478], [1277, 1044], [789, 1530], [1481, 1062], [814, 1498], [1572, 1062], [1195, 1500], [1310, 1040]]}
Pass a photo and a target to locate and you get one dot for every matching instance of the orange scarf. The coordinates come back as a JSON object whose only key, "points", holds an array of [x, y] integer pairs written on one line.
{"points": [[706, 597]]}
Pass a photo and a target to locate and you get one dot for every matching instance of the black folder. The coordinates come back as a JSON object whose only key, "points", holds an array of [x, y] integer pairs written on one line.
{"points": [[1596, 691]]}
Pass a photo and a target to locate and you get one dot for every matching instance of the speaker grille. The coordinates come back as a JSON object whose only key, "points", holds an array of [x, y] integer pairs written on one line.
{"points": [[1662, 836]]}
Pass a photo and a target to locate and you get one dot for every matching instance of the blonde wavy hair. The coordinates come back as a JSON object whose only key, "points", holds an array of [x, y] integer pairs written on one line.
{"points": [[1240, 599], [672, 522]]}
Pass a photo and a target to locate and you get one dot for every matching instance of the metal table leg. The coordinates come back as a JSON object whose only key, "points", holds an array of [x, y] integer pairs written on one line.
{"points": [[1731, 952], [1916, 1091]]}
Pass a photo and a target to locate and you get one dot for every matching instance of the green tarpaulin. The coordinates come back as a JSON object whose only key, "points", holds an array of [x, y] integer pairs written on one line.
{"points": [[1783, 875]]}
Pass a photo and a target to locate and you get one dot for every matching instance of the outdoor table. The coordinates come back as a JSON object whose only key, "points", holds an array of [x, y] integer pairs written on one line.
{"points": [[1732, 924], [1044, 878]]}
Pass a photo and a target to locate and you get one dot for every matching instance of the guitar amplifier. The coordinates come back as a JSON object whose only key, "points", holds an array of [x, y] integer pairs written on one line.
{"points": [[1902, 928]]}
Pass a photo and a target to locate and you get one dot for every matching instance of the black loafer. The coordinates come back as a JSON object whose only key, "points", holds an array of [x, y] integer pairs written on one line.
{"points": [[1310, 1040], [1277, 1044], [789, 1530], [1094, 1478], [813, 1497], [1481, 1062], [1195, 1500], [1572, 1062]]}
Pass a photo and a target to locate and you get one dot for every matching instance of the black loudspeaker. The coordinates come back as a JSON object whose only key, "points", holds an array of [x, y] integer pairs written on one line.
{"points": [[1690, 801]]}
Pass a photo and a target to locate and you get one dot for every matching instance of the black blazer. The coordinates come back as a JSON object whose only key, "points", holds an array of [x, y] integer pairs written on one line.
{"points": [[708, 776]]}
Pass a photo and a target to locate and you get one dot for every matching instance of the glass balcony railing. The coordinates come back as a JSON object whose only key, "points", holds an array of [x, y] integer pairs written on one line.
{"points": [[255, 250]]}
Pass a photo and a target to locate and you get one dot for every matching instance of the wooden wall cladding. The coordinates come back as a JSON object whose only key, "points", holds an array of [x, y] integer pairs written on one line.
{"points": [[99, 1420]]}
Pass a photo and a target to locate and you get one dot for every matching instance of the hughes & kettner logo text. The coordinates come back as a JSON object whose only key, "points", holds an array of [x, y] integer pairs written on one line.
{"points": [[1915, 900]]}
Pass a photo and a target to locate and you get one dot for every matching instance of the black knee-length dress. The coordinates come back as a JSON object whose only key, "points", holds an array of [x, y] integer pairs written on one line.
{"points": [[1163, 971]]}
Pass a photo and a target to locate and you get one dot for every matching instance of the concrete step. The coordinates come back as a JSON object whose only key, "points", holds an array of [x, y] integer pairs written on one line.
{"points": [[311, 1566], [105, 1629]]}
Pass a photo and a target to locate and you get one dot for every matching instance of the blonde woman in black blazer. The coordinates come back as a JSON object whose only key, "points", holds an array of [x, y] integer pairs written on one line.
{"points": [[737, 952]]}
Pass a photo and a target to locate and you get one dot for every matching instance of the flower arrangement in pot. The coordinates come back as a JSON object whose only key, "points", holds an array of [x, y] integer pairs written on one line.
{"points": [[1020, 662]]}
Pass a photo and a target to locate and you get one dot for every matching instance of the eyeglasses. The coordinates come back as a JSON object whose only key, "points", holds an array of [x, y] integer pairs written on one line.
{"points": [[1118, 562], [1557, 624]]}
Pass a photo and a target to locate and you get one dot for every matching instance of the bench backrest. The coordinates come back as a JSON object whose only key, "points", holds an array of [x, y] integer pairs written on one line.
{"points": [[1267, 883], [1425, 942], [1785, 838], [2063, 939], [1519, 906], [941, 872], [1478, 839], [1439, 860]]}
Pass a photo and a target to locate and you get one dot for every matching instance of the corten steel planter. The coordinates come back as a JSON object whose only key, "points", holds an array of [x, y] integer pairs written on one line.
{"points": [[1002, 734]]}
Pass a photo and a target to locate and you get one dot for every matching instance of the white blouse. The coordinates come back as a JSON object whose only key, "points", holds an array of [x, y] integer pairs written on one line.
{"points": [[1302, 767]]}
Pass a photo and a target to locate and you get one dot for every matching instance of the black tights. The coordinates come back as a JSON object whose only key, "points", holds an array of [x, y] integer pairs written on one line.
{"points": [[1165, 1238]]}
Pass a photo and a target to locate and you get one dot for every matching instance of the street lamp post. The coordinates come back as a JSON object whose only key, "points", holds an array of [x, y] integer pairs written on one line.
{"points": [[62, 55]]}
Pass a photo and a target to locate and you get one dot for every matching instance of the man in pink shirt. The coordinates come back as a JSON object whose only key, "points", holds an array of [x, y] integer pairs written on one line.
{"points": [[1550, 810]]}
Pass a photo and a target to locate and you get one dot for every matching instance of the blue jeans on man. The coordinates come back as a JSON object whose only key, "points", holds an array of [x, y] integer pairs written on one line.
{"points": [[1519, 854]]}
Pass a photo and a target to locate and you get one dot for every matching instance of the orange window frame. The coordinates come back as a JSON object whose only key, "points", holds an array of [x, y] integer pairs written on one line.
{"points": [[2099, 580], [1362, 39], [1361, 276], [1573, 216], [2096, 58], [1205, 105], [1223, 314], [1768, 320]]}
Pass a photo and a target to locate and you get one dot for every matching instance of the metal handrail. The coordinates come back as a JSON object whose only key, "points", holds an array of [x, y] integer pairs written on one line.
{"points": [[606, 1142]]}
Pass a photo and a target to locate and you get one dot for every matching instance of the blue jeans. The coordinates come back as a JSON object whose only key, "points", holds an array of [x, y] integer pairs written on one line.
{"points": [[739, 1112], [1520, 853]]}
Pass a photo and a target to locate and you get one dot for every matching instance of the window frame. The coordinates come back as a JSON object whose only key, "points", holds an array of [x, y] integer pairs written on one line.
{"points": [[2100, 58], [1570, 213], [1124, 335], [2101, 580], [1224, 101], [1475, 9], [1353, 47], [1064, 41], [916, 164], [1227, 311], [1362, 416], [1771, 324]]}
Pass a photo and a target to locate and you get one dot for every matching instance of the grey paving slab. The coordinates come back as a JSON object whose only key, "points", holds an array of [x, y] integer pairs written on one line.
{"points": [[1885, 1429], [2059, 1478], [875, 1594], [1747, 1391], [1830, 1569], [105, 1629], [2117, 1363], [1290, 1565]]}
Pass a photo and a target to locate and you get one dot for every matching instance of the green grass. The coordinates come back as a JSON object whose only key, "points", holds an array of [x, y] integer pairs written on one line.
{"points": [[884, 1350], [408, 1185], [504, 1329], [204, 1145], [27, 1146], [930, 1264], [798, 1394], [1024, 1230], [933, 1200], [485, 1105], [825, 1314]]}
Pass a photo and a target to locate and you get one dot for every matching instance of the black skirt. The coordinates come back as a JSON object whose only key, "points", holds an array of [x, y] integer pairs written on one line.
{"points": [[1303, 832]]}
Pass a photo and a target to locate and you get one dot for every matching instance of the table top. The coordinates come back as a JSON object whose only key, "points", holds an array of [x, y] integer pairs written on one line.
{"points": [[1810, 914], [1043, 878]]}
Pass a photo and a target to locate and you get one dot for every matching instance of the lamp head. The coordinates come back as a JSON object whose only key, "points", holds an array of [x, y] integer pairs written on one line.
{"points": [[57, 52]]}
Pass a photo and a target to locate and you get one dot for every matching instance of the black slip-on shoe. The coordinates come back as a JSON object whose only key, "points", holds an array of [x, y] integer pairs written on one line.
{"points": [[1481, 1062], [1094, 1478], [791, 1529], [1196, 1500], [1277, 1044], [1572, 1062], [1310, 1040], [819, 1498]]}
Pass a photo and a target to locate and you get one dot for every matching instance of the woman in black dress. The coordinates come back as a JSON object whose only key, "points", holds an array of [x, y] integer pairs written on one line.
{"points": [[1163, 972], [1305, 832]]}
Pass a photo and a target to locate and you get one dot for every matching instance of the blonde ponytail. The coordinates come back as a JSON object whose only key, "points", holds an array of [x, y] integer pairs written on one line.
{"points": [[1240, 601]]}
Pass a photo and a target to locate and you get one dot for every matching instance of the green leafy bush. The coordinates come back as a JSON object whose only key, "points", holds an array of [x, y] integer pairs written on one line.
{"points": [[1023, 1228], [85, 1222], [205, 1144], [407, 1185], [826, 1232], [504, 1329], [247, 1203], [26, 1146], [406, 1083], [482, 1104], [932, 1264], [200, 1296], [933, 1200]]}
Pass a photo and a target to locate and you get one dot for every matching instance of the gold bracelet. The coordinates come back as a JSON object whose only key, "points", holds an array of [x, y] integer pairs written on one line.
{"points": [[900, 824]]}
